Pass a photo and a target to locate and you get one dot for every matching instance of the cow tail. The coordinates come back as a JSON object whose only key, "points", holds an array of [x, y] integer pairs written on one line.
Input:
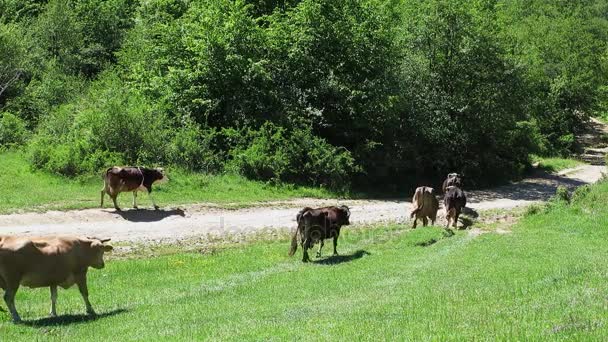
{"points": [[419, 205], [414, 212], [294, 243]]}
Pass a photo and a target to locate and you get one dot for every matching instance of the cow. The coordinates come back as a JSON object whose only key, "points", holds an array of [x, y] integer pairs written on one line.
{"points": [[452, 179], [131, 179], [316, 225], [425, 205], [453, 201], [48, 261]]}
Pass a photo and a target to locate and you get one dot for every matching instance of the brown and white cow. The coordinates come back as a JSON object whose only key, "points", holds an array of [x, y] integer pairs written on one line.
{"points": [[48, 261], [131, 179], [316, 225], [425, 205]]}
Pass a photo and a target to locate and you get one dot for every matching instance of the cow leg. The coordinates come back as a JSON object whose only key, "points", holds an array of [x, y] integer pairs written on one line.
{"points": [[456, 215], [103, 193], [135, 199], [9, 299], [425, 221], [114, 200], [335, 245], [152, 198], [53, 300], [320, 247], [84, 292], [415, 220], [305, 247]]}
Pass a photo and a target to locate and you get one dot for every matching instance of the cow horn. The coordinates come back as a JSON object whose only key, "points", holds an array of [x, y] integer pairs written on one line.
{"points": [[347, 210], [105, 240]]}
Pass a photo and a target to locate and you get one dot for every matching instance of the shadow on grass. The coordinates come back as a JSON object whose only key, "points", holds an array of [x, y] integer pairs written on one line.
{"points": [[338, 259], [149, 215], [446, 234], [69, 319]]}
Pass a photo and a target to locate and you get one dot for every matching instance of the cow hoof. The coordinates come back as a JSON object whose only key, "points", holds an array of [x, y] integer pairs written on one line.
{"points": [[92, 313], [135, 207], [118, 209], [336, 254], [156, 207]]}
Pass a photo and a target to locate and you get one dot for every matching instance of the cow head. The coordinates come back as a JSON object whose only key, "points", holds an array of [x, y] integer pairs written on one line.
{"points": [[344, 215], [95, 253], [159, 175], [454, 179]]}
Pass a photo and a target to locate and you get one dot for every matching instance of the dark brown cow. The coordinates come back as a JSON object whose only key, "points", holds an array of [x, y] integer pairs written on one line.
{"points": [[316, 225], [425, 205], [453, 201], [48, 261], [130, 179], [453, 179]]}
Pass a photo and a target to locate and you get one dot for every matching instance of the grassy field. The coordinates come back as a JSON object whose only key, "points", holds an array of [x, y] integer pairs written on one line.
{"points": [[23, 189], [545, 279], [556, 164]]}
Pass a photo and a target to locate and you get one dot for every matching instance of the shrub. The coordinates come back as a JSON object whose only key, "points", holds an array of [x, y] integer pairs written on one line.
{"points": [[13, 131], [110, 125], [281, 155], [192, 148]]}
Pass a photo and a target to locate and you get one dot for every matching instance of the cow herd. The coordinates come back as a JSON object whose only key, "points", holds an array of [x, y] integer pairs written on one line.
{"points": [[64, 261], [316, 225]]}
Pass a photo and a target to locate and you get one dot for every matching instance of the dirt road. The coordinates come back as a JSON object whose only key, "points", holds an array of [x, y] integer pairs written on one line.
{"points": [[176, 224]]}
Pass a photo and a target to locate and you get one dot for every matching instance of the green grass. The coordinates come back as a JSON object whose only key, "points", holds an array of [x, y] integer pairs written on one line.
{"points": [[556, 164], [546, 280], [24, 190]]}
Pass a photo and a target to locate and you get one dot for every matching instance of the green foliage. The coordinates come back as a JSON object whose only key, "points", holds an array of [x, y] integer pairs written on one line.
{"points": [[276, 154], [405, 90], [13, 131], [110, 125]]}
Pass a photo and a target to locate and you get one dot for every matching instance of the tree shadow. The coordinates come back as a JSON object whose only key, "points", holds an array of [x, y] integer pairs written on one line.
{"points": [[149, 215], [70, 319], [540, 188], [338, 259]]}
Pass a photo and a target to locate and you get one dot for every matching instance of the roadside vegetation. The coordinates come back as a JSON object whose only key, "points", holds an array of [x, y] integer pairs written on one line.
{"points": [[555, 164], [332, 93], [27, 190], [546, 278]]}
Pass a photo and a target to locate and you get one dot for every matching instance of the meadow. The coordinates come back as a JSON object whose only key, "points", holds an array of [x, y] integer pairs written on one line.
{"points": [[544, 277], [26, 190]]}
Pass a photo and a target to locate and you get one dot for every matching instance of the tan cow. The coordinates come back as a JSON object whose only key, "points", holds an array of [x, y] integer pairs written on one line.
{"points": [[48, 261], [425, 205]]}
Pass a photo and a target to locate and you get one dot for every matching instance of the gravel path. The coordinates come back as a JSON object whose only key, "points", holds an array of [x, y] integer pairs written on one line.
{"points": [[176, 224]]}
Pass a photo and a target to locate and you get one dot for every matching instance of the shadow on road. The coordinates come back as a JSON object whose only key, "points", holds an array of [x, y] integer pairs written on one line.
{"points": [[70, 319], [535, 189], [148, 215], [338, 259]]}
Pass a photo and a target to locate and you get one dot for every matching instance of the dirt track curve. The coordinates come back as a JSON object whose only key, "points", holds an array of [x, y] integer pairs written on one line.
{"points": [[174, 224]]}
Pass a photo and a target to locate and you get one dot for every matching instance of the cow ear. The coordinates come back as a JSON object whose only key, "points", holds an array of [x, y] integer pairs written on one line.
{"points": [[107, 248]]}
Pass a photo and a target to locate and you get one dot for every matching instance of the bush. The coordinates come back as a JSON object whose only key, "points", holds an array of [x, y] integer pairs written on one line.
{"points": [[110, 125], [280, 155], [192, 149], [13, 131]]}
